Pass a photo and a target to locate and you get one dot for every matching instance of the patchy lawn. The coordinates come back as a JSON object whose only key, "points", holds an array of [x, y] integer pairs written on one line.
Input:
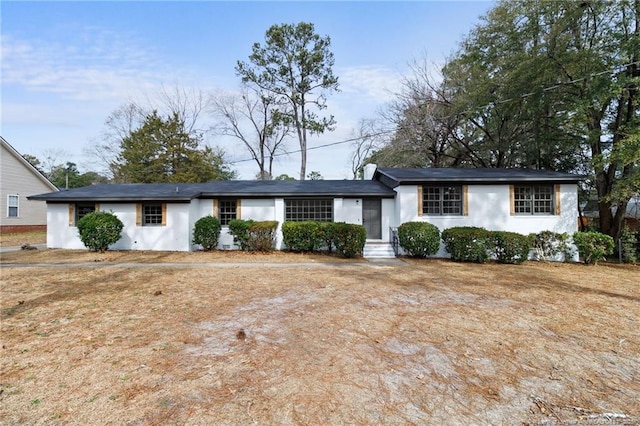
{"points": [[21, 238], [428, 343]]}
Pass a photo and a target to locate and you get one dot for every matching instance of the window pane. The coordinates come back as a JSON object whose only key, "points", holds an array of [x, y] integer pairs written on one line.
{"points": [[442, 200], [84, 209], [226, 211], [302, 210], [543, 199], [452, 200], [12, 203], [152, 214], [537, 199], [522, 199]]}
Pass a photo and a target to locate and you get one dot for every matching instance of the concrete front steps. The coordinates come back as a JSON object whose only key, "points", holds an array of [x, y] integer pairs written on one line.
{"points": [[378, 250]]}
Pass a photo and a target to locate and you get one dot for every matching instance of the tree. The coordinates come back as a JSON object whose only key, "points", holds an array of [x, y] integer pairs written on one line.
{"points": [[161, 150], [314, 175], [187, 104], [549, 85], [68, 176], [367, 140], [284, 176], [251, 118], [295, 67]]}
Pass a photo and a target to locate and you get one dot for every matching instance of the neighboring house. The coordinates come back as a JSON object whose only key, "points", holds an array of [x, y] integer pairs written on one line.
{"points": [[162, 216], [631, 217], [18, 180]]}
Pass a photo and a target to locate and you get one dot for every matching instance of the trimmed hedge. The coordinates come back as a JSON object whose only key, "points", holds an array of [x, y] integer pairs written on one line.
{"points": [[468, 243], [262, 235], [98, 230], [511, 247], [310, 236], [349, 239], [419, 239], [593, 246], [253, 236], [206, 232], [327, 235], [240, 230], [303, 236]]}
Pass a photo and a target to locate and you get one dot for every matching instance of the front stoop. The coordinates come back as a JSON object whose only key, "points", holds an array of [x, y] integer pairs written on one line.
{"points": [[378, 250]]}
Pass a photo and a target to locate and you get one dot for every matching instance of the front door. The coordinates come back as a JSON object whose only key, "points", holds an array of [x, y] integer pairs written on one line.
{"points": [[371, 217]]}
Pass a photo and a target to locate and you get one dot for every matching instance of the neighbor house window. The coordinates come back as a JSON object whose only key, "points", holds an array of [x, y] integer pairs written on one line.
{"points": [[151, 214], [310, 209], [533, 199], [12, 205], [227, 211], [442, 200]]}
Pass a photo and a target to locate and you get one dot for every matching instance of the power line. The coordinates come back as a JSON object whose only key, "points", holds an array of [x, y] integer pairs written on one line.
{"points": [[320, 146]]}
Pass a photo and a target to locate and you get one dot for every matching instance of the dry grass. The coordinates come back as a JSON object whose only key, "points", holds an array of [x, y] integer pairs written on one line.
{"points": [[428, 343], [21, 238], [58, 256]]}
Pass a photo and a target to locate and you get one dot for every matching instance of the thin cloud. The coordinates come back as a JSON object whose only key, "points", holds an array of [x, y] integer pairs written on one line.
{"points": [[373, 82], [98, 65]]}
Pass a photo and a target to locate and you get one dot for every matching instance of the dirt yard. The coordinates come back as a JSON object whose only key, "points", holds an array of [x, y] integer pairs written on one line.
{"points": [[430, 342]]}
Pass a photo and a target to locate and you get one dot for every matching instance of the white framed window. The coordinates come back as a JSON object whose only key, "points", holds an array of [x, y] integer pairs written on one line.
{"points": [[227, 210], [152, 214], [12, 205], [533, 200], [442, 200], [298, 210]]}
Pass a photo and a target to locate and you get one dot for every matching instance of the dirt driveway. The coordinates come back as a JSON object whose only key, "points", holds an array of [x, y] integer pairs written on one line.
{"points": [[433, 342]]}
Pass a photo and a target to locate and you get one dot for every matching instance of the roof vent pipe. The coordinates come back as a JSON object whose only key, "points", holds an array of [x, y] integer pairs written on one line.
{"points": [[369, 170]]}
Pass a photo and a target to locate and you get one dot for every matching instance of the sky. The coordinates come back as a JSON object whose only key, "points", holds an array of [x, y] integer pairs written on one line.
{"points": [[65, 66]]}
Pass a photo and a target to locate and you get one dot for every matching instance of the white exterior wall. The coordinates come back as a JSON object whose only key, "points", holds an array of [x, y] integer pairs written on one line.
{"points": [[347, 210], [175, 236], [59, 233], [258, 209], [489, 206]]}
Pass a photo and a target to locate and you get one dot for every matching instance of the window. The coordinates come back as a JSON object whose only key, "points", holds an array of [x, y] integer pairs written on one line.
{"points": [[442, 200], [83, 210], [12, 205], [227, 210], [313, 209], [533, 199], [153, 214]]}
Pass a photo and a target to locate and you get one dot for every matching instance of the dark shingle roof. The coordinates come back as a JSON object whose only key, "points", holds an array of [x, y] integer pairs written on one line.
{"points": [[229, 188], [395, 177]]}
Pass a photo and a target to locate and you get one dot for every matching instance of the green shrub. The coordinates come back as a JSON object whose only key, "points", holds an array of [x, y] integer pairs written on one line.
{"points": [[98, 230], [628, 242], [253, 236], [511, 247], [349, 239], [303, 236], [593, 246], [239, 229], [262, 235], [549, 245], [206, 232], [468, 243], [327, 235], [419, 239]]}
